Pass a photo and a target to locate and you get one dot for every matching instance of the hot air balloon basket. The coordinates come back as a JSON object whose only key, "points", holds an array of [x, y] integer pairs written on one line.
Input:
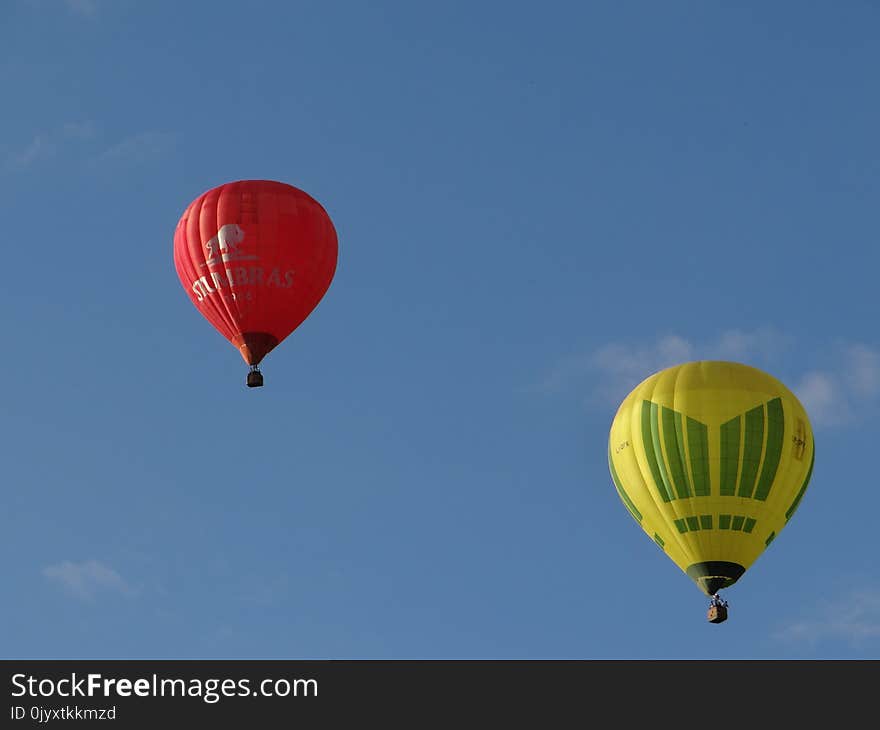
{"points": [[717, 614]]}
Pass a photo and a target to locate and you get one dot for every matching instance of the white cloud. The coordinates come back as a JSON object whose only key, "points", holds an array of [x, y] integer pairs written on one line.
{"points": [[616, 368], [84, 580], [622, 367], [82, 7], [46, 144], [863, 370], [137, 148], [82, 137], [78, 7], [823, 397], [764, 343], [78, 130], [838, 395], [834, 395], [855, 620], [265, 591], [625, 362], [40, 147]]}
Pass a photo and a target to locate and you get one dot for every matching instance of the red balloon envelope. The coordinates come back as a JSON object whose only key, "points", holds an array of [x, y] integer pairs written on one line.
{"points": [[255, 257]]}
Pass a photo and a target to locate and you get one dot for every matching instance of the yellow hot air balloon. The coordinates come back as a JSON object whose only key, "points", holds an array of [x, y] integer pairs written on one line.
{"points": [[712, 459]]}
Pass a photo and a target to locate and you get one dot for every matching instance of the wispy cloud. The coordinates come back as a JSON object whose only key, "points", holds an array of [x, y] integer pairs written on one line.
{"points": [[863, 370], [616, 368], [40, 147], [86, 579], [140, 147], [77, 7], [824, 397], [765, 344], [78, 130], [81, 139], [855, 620], [82, 7], [46, 144], [265, 591], [838, 394]]}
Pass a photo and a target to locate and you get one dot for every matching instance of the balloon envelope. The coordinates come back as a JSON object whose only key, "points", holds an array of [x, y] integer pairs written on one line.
{"points": [[712, 459], [255, 258]]}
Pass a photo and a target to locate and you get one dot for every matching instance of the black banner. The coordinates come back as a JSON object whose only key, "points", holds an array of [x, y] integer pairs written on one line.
{"points": [[267, 693]]}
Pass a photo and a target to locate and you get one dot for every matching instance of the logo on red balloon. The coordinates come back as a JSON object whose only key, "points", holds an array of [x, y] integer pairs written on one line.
{"points": [[224, 245]]}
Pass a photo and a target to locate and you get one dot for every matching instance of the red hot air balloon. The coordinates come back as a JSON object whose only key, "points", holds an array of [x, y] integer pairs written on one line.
{"points": [[255, 258]]}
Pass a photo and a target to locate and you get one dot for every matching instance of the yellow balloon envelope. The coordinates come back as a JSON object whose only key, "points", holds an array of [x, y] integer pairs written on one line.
{"points": [[712, 459]]}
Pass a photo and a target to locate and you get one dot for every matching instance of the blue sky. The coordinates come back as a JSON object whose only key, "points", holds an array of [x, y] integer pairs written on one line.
{"points": [[538, 205]]}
